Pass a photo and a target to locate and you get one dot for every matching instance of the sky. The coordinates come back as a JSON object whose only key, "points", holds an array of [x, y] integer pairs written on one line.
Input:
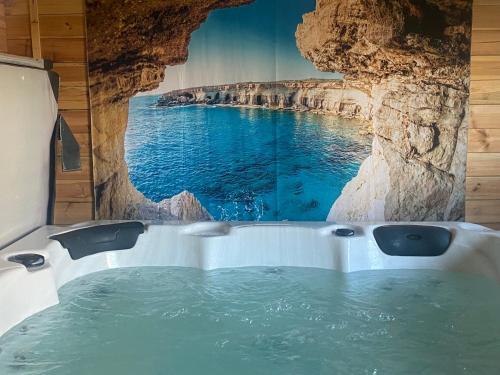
{"points": [[254, 42]]}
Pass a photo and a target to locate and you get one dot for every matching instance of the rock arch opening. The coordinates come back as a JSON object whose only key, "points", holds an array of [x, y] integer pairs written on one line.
{"points": [[432, 62]]}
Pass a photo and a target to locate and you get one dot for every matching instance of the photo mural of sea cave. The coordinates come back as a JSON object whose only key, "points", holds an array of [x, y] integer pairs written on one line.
{"points": [[269, 110]]}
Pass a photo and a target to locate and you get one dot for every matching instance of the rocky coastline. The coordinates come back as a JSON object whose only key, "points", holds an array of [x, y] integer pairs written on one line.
{"points": [[413, 58], [408, 60], [319, 96]]}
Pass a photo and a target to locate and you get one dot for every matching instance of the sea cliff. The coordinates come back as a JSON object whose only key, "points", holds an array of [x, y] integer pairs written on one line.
{"points": [[412, 57], [323, 96]]}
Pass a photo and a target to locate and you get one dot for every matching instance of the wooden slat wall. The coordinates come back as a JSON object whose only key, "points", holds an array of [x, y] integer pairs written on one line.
{"points": [[62, 30], [3, 28], [483, 164], [62, 40], [62, 34]]}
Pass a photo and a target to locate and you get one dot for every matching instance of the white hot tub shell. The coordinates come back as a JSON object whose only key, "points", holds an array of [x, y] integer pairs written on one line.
{"points": [[211, 245]]}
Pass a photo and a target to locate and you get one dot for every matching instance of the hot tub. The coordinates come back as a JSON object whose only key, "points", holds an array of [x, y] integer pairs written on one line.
{"points": [[33, 269], [473, 249]]}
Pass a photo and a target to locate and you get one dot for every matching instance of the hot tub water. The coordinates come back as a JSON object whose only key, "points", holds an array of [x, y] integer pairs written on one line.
{"points": [[165, 320]]}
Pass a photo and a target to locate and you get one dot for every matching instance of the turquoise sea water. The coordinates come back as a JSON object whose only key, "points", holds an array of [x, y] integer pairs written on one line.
{"points": [[265, 321], [243, 163]]}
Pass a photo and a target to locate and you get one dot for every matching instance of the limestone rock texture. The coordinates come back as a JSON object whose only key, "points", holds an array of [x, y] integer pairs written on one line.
{"points": [[183, 206], [413, 59], [129, 43]]}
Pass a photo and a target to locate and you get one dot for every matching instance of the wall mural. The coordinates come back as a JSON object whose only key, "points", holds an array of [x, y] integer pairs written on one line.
{"points": [[344, 110]]}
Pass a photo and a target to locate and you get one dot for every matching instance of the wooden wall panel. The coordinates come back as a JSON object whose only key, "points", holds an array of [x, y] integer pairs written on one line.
{"points": [[72, 74], [17, 7], [483, 159], [73, 212], [62, 26], [484, 140], [485, 68], [18, 27], [64, 50], [483, 164], [74, 198], [486, 43], [485, 116], [46, 7], [62, 33], [485, 92], [486, 16], [483, 188], [20, 47], [66, 7], [3, 28], [73, 97], [485, 211], [62, 36]]}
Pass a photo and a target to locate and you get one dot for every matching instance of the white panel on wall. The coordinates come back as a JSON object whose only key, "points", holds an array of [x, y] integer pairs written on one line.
{"points": [[28, 111]]}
